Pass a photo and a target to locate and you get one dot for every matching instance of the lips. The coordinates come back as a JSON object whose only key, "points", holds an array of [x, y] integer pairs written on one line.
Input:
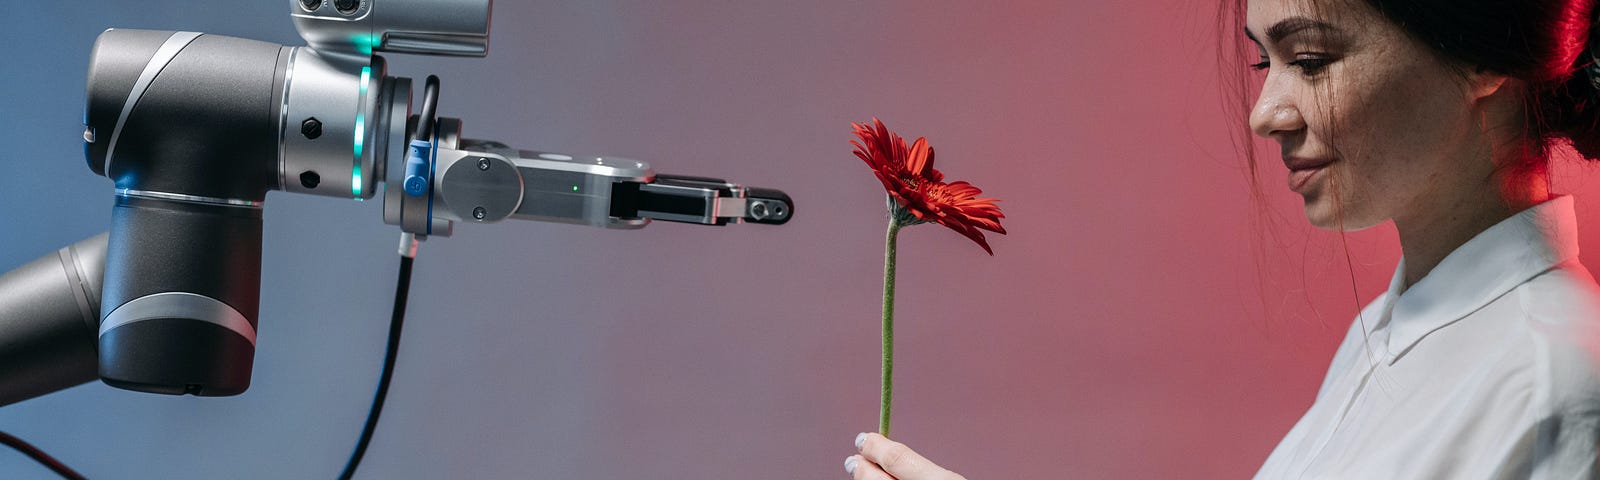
{"points": [[1302, 170], [1304, 163]]}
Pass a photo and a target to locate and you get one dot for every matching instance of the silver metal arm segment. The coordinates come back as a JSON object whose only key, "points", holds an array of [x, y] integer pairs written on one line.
{"points": [[478, 181], [49, 313]]}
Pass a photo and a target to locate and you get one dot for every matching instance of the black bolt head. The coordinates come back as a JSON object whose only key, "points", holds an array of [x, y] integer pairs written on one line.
{"points": [[310, 179], [347, 6], [311, 128], [310, 5]]}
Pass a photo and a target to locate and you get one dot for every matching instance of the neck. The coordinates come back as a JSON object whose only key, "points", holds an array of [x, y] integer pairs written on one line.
{"points": [[1444, 222]]}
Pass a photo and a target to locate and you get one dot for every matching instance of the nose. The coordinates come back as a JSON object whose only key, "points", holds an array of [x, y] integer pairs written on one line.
{"points": [[1276, 113]]}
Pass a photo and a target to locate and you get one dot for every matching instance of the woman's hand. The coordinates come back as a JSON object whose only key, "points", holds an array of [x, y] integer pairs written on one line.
{"points": [[885, 459]]}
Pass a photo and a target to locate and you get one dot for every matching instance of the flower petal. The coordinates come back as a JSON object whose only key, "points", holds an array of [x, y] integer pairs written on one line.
{"points": [[918, 158], [911, 181]]}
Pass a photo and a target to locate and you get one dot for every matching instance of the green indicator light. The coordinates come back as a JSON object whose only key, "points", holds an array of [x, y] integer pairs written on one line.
{"points": [[355, 183], [360, 133], [355, 168], [364, 42], [574, 188]]}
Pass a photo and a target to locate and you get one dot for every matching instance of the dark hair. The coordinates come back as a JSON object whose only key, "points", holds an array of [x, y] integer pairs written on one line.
{"points": [[1542, 43]]}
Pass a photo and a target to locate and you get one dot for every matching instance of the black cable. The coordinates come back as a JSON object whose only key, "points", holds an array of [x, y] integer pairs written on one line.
{"points": [[430, 102], [424, 131], [402, 286], [38, 455]]}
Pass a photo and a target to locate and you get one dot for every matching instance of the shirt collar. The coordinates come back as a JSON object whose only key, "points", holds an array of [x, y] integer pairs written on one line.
{"points": [[1492, 263]]}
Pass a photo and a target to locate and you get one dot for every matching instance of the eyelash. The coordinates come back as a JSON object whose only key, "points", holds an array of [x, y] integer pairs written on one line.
{"points": [[1307, 66]]}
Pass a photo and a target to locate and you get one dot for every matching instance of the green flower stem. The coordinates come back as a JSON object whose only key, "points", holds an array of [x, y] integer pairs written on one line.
{"points": [[888, 325]]}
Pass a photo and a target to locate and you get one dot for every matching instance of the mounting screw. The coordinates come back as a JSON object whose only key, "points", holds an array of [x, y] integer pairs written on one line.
{"points": [[310, 179], [479, 213], [311, 128], [310, 5], [483, 164], [347, 6]]}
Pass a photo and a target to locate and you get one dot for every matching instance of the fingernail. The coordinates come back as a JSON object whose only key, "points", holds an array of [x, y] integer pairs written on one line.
{"points": [[860, 439], [850, 464]]}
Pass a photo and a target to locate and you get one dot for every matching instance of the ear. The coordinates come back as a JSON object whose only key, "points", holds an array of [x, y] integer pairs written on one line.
{"points": [[1483, 83]]}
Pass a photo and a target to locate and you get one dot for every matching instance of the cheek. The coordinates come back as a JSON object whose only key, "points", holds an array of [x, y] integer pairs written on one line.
{"points": [[1396, 126]]}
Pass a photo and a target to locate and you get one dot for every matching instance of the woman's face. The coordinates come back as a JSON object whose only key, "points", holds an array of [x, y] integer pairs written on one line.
{"points": [[1372, 125]]}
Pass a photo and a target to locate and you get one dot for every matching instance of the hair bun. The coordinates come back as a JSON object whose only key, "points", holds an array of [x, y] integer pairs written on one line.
{"points": [[1571, 110]]}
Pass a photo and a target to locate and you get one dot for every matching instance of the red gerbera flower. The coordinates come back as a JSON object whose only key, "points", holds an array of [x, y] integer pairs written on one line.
{"points": [[917, 191]]}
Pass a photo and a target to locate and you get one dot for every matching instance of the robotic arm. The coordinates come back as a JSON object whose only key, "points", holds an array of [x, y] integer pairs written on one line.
{"points": [[194, 129], [478, 181]]}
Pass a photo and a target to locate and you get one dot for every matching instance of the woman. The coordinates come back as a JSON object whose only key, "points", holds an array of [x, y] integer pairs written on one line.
{"points": [[1481, 359]]}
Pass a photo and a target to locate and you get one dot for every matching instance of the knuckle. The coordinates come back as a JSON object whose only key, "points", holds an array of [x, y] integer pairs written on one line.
{"points": [[896, 456]]}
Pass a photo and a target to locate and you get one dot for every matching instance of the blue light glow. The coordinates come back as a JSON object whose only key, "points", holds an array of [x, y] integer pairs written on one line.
{"points": [[361, 133], [364, 42]]}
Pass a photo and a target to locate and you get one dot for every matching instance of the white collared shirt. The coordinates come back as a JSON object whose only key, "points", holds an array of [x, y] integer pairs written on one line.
{"points": [[1484, 369]]}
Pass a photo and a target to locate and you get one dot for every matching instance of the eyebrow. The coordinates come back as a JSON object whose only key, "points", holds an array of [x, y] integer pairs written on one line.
{"points": [[1290, 26]]}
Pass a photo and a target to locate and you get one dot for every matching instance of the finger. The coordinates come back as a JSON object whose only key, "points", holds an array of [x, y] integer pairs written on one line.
{"points": [[861, 469], [899, 460]]}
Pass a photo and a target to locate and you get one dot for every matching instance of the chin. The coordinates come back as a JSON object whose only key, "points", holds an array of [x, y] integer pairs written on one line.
{"points": [[1322, 213]]}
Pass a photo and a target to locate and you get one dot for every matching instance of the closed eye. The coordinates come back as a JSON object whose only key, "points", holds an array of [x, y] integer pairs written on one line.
{"points": [[1308, 64]]}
